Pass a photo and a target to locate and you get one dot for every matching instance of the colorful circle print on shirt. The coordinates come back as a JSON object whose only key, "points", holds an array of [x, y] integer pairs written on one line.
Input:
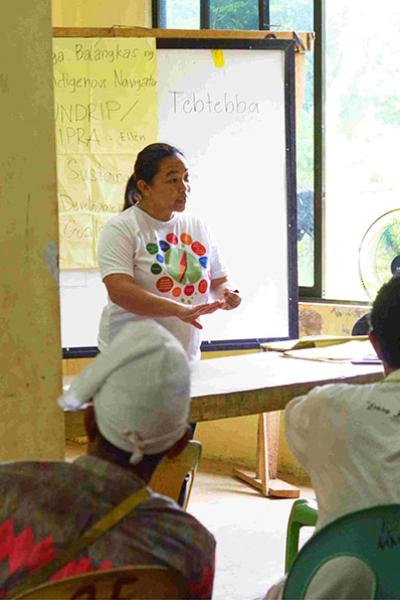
{"points": [[179, 265]]}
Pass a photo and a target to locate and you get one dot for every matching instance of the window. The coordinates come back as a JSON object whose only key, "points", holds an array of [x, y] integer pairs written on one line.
{"points": [[175, 14], [362, 138], [231, 14]]}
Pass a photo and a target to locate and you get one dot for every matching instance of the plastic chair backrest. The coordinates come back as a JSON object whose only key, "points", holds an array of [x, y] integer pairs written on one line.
{"points": [[169, 476], [145, 582], [304, 513], [371, 535]]}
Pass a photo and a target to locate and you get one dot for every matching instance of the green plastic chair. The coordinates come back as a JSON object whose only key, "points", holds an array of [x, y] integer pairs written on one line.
{"points": [[371, 535], [304, 513]]}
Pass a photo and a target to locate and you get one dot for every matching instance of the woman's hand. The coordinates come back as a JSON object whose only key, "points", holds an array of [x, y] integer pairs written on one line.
{"points": [[221, 288], [130, 296], [231, 299], [191, 314]]}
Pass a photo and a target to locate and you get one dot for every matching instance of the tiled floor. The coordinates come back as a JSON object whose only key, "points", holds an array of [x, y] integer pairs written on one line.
{"points": [[249, 528]]}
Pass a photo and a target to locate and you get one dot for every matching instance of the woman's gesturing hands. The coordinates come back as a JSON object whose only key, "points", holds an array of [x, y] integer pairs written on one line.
{"points": [[191, 314]]}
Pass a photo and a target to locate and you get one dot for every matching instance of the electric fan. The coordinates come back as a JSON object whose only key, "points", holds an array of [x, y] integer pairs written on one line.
{"points": [[379, 253]]}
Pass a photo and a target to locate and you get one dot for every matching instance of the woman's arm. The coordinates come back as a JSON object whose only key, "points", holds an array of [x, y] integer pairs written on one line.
{"points": [[123, 291], [221, 289]]}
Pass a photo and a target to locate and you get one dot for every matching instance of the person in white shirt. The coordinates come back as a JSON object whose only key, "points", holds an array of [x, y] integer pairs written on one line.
{"points": [[348, 439], [158, 261]]}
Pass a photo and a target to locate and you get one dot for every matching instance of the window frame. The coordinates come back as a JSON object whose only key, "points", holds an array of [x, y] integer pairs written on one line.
{"points": [[316, 291], [159, 14]]}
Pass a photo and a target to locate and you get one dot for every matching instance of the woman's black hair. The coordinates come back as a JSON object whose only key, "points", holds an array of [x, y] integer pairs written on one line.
{"points": [[147, 165]]}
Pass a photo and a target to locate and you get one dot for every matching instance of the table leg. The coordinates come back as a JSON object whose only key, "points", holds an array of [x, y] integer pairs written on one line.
{"points": [[265, 478], [262, 464]]}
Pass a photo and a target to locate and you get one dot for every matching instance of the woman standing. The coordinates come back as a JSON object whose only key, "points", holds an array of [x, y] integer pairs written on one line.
{"points": [[156, 260]]}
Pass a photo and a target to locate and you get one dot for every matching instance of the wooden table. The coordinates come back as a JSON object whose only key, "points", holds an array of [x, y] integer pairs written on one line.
{"points": [[251, 384]]}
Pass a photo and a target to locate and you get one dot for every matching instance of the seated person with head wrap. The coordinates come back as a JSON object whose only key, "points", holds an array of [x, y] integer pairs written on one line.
{"points": [[140, 388]]}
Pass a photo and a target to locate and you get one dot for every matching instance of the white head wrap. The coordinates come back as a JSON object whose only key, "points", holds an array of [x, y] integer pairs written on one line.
{"points": [[140, 386]]}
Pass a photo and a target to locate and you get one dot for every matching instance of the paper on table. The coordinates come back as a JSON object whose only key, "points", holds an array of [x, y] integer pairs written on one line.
{"points": [[346, 352], [310, 341]]}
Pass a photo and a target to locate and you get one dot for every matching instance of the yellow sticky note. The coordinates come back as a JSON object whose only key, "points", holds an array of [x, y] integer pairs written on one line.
{"points": [[218, 57]]}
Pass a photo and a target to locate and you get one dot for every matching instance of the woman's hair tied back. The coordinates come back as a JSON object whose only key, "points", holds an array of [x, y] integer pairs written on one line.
{"points": [[146, 167]]}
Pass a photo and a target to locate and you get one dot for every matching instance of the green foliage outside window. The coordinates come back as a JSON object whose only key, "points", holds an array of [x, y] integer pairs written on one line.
{"points": [[233, 14], [297, 15]]}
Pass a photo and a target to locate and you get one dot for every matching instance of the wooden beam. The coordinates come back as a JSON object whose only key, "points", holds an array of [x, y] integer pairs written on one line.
{"points": [[306, 38]]}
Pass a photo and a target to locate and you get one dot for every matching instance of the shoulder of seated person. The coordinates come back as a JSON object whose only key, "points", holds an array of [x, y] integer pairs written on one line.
{"points": [[333, 391]]}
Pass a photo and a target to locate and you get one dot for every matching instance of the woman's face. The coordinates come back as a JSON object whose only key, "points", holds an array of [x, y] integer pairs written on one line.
{"points": [[168, 191]]}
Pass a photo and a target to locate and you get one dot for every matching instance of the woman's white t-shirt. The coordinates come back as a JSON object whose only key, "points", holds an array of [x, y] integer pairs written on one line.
{"points": [[175, 259]]}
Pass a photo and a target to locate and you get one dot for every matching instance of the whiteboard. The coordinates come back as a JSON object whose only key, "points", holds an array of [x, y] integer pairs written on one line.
{"points": [[231, 112]]}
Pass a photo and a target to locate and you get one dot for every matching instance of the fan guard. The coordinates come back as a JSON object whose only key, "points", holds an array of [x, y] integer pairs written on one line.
{"points": [[379, 252]]}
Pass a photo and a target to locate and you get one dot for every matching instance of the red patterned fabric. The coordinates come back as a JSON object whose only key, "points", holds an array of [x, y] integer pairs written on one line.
{"points": [[46, 506], [22, 550]]}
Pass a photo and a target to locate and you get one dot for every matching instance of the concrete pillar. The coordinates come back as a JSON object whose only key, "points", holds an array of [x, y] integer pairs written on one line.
{"points": [[31, 424]]}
